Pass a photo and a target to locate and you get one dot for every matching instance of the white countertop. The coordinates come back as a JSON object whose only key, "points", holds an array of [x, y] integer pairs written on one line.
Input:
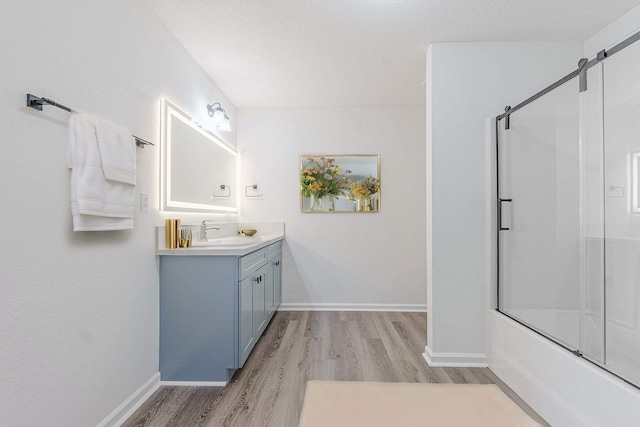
{"points": [[253, 244]]}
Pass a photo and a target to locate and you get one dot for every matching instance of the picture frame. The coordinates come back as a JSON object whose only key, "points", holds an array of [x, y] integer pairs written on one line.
{"points": [[340, 183]]}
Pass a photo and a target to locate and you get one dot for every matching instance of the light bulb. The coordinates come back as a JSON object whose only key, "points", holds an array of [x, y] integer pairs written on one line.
{"points": [[218, 116], [225, 126]]}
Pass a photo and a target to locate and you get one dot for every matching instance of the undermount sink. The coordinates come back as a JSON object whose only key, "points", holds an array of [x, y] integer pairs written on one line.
{"points": [[229, 241]]}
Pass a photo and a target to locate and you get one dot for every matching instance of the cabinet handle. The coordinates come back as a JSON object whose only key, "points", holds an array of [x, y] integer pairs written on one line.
{"points": [[500, 202]]}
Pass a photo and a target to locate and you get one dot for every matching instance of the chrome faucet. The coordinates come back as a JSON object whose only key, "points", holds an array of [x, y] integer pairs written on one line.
{"points": [[204, 228]]}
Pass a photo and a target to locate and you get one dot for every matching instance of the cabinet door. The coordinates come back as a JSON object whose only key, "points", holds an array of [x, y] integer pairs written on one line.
{"points": [[277, 281], [259, 301], [198, 317], [247, 337], [271, 301]]}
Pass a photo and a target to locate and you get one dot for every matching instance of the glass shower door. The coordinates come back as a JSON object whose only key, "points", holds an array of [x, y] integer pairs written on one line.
{"points": [[539, 189], [622, 211], [569, 213]]}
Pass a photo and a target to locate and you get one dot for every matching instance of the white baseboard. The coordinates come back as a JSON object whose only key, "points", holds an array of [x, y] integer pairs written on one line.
{"points": [[421, 308], [133, 402], [195, 383], [453, 360]]}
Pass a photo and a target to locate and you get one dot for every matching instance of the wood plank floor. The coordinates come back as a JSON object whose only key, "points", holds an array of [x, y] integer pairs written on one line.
{"points": [[302, 346]]}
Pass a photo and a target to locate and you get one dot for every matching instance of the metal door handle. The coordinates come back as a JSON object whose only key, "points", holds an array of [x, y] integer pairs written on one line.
{"points": [[500, 202]]}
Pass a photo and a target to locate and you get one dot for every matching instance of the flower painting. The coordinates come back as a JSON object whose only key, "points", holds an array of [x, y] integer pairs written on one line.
{"points": [[339, 183]]}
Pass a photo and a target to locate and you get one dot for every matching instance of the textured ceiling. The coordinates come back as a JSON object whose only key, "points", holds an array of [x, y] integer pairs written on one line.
{"points": [[327, 53]]}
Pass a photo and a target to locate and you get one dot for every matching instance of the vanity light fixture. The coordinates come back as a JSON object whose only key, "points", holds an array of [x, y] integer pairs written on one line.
{"points": [[219, 116]]}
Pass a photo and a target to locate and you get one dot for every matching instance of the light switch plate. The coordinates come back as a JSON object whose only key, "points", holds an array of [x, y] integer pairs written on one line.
{"points": [[144, 202]]}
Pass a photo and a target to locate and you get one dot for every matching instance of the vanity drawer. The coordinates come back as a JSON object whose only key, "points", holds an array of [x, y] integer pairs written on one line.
{"points": [[274, 250], [251, 262]]}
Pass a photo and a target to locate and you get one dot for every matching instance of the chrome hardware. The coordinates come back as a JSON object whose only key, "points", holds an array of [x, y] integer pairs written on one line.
{"points": [[500, 202], [251, 187], [37, 102], [223, 187], [204, 228]]}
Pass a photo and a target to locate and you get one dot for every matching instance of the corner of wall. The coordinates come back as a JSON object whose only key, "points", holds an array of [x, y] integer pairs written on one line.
{"points": [[429, 190]]}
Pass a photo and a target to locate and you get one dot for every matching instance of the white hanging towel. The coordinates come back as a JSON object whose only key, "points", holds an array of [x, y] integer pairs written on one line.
{"points": [[117, 152], [102, 159]]}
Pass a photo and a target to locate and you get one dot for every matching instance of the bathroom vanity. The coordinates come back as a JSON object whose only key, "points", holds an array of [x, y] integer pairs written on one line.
{"points": [[215, 303], [218, 291]]}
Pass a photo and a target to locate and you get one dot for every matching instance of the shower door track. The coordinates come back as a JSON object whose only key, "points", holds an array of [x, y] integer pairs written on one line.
{"points": [[583, 66]]}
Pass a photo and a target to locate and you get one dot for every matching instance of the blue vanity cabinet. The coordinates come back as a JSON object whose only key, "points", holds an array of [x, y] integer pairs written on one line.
{"points": [[198, 308], [213, 310]]}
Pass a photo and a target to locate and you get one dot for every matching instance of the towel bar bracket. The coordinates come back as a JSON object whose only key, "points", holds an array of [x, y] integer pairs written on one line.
{"points": [[34, 102]]}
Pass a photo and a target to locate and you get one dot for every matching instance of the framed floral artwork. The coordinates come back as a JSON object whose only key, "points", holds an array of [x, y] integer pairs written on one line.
{"points": [[340, 183]]}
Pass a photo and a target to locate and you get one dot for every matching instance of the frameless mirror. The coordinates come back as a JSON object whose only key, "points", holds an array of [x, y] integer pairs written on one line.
{"points": [[340, 183], [199, 171]]}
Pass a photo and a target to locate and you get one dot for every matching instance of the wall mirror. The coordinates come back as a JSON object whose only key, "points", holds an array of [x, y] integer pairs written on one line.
{"points": [[198, 170], [340, 183]]}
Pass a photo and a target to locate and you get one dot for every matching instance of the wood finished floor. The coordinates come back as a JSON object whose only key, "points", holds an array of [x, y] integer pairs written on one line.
{"points": [[302, 346]]}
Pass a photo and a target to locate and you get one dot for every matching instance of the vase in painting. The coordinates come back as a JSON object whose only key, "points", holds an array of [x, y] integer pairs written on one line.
{"points": [[316, 203]]}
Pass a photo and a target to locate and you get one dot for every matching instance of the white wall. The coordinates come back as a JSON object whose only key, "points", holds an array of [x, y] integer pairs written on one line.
{"points": [[613, 33], [342, 260], [470, 82], [79, 311]]}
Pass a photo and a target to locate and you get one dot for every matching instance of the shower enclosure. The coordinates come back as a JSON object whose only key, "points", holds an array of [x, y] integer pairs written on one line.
{"points": [[569, 211]]}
